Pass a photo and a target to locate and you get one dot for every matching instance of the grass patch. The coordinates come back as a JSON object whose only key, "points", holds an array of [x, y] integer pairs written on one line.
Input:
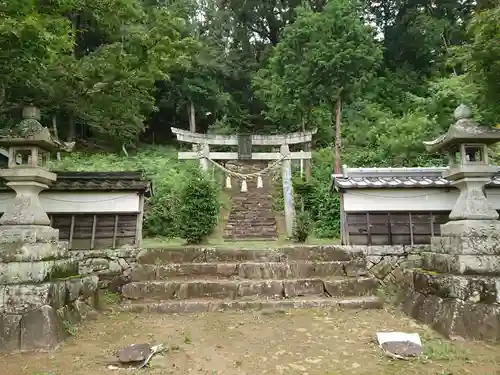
{"points": [[110, 298]]}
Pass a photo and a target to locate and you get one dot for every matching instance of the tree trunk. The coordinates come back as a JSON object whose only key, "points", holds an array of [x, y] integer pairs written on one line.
{"points": [[192, 121], [71, 129], [56, 135], [338, 109]]}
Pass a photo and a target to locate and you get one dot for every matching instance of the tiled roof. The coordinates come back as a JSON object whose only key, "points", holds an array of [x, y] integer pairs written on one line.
{"points": [[104, 181], [361, 178]]}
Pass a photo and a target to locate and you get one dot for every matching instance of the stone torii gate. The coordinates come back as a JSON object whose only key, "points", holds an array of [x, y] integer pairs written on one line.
{"points": [[244, 142]]}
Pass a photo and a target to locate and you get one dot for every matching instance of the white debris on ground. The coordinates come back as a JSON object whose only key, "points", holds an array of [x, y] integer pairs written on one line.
{"points": [[137, 356], [400, 345]]}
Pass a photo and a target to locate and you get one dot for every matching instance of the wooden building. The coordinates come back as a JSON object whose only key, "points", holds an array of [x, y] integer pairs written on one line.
{"points": [[94, 210], [397, 206]]}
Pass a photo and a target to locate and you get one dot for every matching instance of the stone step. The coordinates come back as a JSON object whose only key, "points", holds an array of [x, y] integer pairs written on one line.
{"points": [[247, 270], [208, 255], [252, 214], [249, 224], [236, 289], [210, 305], [249, 238], [250, 233], [241, 238], [251, 229], [251, 207], [253, 218]]}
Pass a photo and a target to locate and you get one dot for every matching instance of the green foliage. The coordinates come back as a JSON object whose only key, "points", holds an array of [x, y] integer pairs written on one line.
{"points": [[304, 201], [90, 63], [317, 206], [483, 55], [321, 57], [303, 225], [199, 208], [160, 164], [303, 191]]}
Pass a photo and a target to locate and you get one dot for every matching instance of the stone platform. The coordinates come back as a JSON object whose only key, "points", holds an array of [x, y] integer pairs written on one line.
{"points": [[41, 292], [457, 290], [195, 280]]}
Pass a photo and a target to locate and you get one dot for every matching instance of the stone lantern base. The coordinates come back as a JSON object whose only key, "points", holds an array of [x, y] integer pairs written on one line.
{"points": [[42, 294], [457, 290]]}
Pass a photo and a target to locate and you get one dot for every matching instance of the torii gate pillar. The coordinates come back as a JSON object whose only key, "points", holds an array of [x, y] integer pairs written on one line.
{"points": [[286, 176]]}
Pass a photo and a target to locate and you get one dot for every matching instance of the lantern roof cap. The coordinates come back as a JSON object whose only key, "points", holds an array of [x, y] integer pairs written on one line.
{"points": [[31, 133], [464, 130]]}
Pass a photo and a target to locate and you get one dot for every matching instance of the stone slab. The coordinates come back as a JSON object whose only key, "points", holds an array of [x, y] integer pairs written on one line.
{"points": [[213, 255], [327, 253], [388, 250], [32, 252], [10, 332], [461, 264], [455, 318], [162, 256], [22, 298], [28, 234], [37, 272], [484, 289], [466, 245], [176, 307], [233, 289], [247, 288], [41, 329], [471, 228], [247, 270], [364, 286]]}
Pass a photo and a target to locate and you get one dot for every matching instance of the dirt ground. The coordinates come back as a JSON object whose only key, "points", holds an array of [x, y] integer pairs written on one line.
{"points": [[252, 343]]}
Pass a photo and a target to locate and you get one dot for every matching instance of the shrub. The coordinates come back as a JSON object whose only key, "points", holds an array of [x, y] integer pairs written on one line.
{"points": [[199, 209], [304, 199], [303, 225], [327, 224]]}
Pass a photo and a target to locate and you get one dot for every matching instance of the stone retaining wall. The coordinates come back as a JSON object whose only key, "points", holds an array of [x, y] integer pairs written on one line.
{"points": [[387, 263], [113, 266]]}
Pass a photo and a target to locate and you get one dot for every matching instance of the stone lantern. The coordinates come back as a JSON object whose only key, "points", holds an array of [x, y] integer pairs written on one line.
{"points": [[29, 145], [37, 273], [466, 144], [457, 290]]}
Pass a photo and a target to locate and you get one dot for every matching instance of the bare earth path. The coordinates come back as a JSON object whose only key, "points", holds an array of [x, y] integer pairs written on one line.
{"points": [[254, 343]]}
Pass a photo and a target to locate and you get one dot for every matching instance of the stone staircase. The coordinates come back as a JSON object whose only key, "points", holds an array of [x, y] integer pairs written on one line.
{"points": [[252, 216], [200, 280]]}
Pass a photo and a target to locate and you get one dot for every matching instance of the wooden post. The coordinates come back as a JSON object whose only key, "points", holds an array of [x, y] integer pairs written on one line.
{"points": [[389, 228], [140, 218], [71, 232], [115, 230], [412, 241], [92, 238], [431, 218], [368, 229], [286, 175], [344, 229]]}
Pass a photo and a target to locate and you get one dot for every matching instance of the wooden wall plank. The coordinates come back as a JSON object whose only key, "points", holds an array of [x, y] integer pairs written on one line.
{"points": [[96, 231], [397, 228]]}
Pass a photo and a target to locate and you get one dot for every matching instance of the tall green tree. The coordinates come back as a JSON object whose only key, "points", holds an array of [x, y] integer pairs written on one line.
{"points": [[483, 57], [322, 59]]}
